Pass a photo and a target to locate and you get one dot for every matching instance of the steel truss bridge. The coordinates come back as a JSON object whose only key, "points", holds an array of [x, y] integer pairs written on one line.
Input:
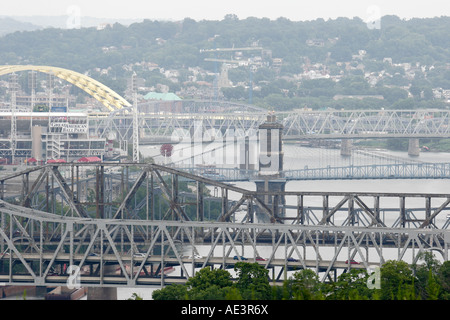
{"points": [[127, 225], [300, 124], [353, 172]]}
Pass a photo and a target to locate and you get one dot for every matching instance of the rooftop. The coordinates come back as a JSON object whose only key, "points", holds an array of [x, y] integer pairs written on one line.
{"points": [[161, 96]]}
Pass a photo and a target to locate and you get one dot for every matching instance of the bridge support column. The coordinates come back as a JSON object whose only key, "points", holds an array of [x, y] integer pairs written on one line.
{"points": [[346, 147], [270, 168], [413, 147], [103, 293], [99, 293]]}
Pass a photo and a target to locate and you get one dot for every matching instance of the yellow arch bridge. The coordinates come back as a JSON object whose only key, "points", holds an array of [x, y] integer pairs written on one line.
{"points": [[109, 98]]}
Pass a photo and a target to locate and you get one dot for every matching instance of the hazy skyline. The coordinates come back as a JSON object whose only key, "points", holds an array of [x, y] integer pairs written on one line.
{"points": [[215, 10]]}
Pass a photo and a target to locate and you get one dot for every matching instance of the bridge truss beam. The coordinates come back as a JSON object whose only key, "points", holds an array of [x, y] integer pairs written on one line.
{"points": [[155, 192], [329, 124], [143, 219], [31, 254], [349, 124]]}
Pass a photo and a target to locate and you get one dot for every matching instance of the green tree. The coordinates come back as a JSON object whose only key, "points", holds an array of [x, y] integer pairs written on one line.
{"points": [[433, 288], [397, 281], [305, 285], [234, 93], [253, 281], [351, 286], [208, 284], [171, 292], [444, 280], [427, 284], [207, 277]]}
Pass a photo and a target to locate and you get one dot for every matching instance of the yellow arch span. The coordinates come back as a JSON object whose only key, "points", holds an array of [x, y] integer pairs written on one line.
{"points": [[109, 98]]}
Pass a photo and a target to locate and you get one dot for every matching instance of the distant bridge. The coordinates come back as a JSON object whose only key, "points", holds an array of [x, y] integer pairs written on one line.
{"points": [[299, 124], [353, 172]]}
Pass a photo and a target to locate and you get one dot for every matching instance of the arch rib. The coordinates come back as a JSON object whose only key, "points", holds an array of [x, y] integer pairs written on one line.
{"points": [[109, 98]]}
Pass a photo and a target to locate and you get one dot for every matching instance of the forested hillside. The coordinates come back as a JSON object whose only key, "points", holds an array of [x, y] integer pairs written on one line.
{"points": [[326, 47], [417, 40]]}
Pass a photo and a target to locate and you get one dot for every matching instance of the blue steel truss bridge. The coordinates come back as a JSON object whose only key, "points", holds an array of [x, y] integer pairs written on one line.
{"points": [[351, 172], [131, 225]]}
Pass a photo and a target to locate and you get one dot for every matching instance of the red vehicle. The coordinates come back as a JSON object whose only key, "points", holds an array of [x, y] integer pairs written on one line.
{"points": [[351, 262]]}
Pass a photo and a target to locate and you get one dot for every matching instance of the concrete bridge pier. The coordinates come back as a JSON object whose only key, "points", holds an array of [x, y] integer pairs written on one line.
{"points": [[270, 168], [99, 293], [103, 293], [414, 147], [346, 147]]}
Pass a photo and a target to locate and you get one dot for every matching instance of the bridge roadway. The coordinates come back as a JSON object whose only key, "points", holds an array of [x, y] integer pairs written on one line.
{"points": [[42, 262], [116, 278]]}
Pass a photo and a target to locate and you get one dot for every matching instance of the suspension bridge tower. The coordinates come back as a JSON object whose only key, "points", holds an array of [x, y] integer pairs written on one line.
{"points": [[270, 168]]}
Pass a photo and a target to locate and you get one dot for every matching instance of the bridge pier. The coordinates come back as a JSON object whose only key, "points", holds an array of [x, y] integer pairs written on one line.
{"points": [[270, 168], [99, 293], [103, 293], [346, 147], [414, 147]]}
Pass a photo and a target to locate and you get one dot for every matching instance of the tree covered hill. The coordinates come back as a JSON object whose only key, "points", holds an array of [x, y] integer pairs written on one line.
{"points": [[405, 62], [178, 44], [8, 25]]}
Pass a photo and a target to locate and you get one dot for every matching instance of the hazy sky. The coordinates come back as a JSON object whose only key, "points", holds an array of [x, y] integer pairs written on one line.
{"points": [[215, 10]]}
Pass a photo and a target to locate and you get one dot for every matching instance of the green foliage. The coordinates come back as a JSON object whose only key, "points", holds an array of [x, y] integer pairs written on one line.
{"points": [[427, 282], [351, 286], [305, 285], [135, 296], [172, 292], [209, 284], [443, 278], [253, 281], [399, 281], [177, 45]]}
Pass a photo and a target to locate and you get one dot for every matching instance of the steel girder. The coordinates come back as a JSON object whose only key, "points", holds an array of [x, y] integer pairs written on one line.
{"points": [[330, 124], [111, 252], [35, 245], [341, 124], [149, 191]]}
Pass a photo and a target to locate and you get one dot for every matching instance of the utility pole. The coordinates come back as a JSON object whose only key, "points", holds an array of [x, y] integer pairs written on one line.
{"points": [[32, 86], [13, 87], [50, 91], [135, 120]]}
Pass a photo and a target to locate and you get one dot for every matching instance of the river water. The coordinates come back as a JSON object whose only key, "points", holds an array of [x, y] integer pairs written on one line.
{"points": [[299, 157]]}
